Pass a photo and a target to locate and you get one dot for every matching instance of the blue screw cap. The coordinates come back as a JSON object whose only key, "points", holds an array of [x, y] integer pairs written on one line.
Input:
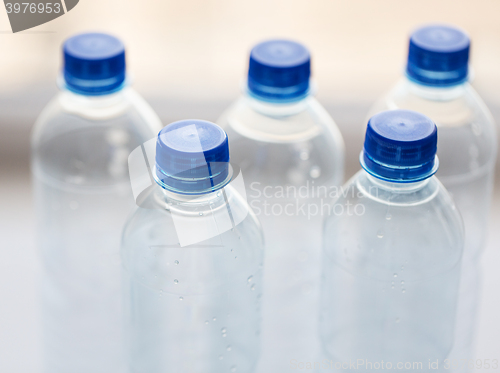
{"points": [[94, 64], [279, 70], [400, 146], [438, 56], [192, 157]]}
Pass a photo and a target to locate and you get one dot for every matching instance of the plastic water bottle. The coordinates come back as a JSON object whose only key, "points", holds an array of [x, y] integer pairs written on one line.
{"points": [[436, 84], [391, 259], [80, 147], [291, 153], [193, 254]]}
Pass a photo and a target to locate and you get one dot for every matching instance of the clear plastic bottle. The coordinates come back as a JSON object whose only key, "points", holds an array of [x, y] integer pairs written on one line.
{"points": [[80, 146], [192, 254], [436, 84], [391, 259], [291, 153]]}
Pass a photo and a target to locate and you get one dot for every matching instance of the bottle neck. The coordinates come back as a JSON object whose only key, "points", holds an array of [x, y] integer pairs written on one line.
{"points": [[190, 204], [95, 107], [394, 193], [276, 109], [436, 93], [95, 100], [396, 187], [188, 199]]}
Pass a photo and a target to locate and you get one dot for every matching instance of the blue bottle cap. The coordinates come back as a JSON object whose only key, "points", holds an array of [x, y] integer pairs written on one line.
{"points": [[279, 70], [400, 146], [192, 157], [438, 56], [94, 64]]}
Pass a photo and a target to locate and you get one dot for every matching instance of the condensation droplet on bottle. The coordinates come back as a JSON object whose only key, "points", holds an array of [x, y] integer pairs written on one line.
{"points": [[315, 172], [201, 214], [228, 348], [403, 290], [206, 322], [402, 282], [250, 278], [176, 281], [388, 216], [402, 268], [214, 319], [223, 330], [218, 194], [252, 287], [233, 369], [395, 275], [304, 155], [380, 234], [181, 298], [176, 262]]}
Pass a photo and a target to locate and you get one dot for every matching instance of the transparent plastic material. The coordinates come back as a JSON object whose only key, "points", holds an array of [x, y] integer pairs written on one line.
{"points": [[467, 148], [80, 147], [290, 155], [391, 271], [192, 303]]}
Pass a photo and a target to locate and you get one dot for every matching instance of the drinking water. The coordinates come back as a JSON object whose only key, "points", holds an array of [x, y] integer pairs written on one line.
{"points": [[192, 254], [80, 146], [391, 266], [436, 84], [291, 153]]}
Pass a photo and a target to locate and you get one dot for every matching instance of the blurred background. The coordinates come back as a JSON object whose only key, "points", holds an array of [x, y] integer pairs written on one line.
{"points": [[188, 58]]}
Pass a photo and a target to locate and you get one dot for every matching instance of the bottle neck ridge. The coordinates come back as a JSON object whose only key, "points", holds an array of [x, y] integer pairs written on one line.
{"points": [[436, 93]]}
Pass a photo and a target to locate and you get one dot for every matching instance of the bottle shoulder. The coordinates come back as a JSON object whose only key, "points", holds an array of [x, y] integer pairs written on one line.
{"points": [[284, 146], [86, 141], [160, 218], [381, 201], [70, 113], [385, 232], [454, 107], [467, 138], [291, 123]]}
